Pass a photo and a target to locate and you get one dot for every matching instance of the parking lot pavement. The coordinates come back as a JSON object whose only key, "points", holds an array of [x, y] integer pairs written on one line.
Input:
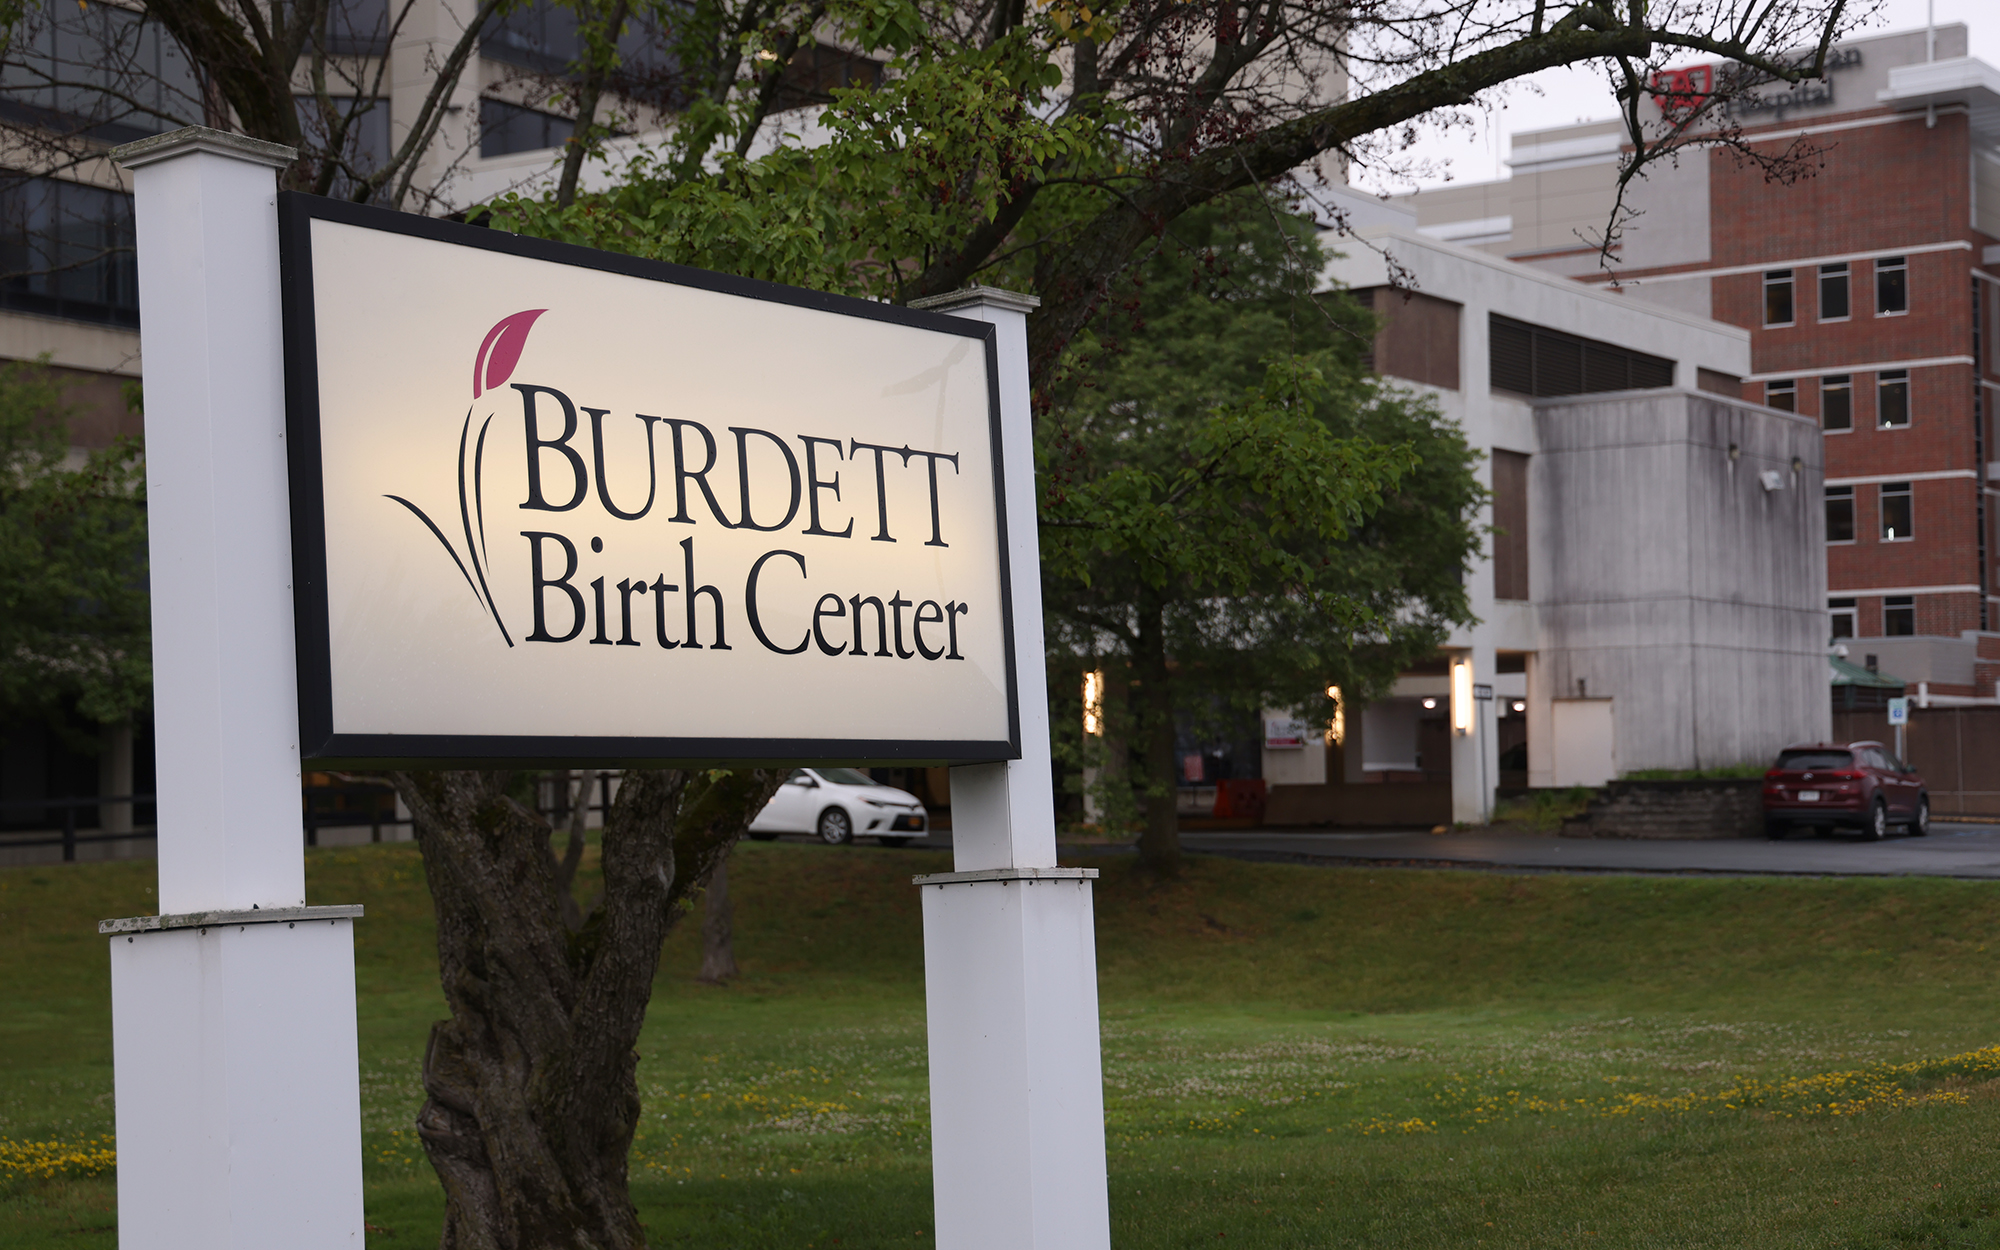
{"points": [[1951, 850]]}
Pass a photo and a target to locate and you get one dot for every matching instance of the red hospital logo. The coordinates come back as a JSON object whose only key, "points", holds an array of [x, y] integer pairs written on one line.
{"points": [[1680, 92]]}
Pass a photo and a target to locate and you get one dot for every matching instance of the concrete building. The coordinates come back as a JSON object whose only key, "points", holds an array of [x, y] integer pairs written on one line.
{"points": [[1653, 595], [1871, 292]]}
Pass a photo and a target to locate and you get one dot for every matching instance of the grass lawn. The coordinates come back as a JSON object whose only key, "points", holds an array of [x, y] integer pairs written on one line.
{"points": [[1293, 1057]]}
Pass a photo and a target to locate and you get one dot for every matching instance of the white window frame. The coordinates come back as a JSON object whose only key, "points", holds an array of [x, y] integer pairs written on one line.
{"points": [[1882, 493], [1845, 272], [1779, 277], [1827, 383], [1886, 377], [1884, 264], [1853, 519]]}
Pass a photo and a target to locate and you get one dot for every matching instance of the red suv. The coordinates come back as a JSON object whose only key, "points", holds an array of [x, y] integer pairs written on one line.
{"points": [[1856, 786]]}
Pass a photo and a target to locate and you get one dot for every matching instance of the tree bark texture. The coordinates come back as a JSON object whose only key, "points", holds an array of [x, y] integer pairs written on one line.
{"points": [[531, 1092], [718, 948], [1153, 700], [598, 61]]}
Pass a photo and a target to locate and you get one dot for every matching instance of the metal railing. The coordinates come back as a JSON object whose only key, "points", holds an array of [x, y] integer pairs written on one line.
{"points": [[326, 808], [323, 807], [68, 838]]}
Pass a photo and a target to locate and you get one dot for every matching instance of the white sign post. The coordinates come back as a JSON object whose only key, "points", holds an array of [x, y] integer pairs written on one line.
{"points": [[438, 496], [233, 1029], [1010, 955]]}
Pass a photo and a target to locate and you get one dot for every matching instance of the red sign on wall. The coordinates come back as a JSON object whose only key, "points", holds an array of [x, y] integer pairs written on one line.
{"points": [[1680, 92]]}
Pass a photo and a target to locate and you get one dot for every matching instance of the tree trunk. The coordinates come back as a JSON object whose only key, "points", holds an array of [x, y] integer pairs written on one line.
{"points": [[1153, 701], [531, 1086], [598, 60], [718, 950]]}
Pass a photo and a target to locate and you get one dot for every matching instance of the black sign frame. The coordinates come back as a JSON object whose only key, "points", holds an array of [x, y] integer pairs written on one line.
{"points": [[322, 746]]}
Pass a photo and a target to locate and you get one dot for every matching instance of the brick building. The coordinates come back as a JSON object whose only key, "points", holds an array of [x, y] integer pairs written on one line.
{"points": [[1871, 288]]}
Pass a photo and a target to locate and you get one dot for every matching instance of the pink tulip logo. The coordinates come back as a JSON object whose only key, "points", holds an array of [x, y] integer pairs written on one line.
{"points": [[492, 365], [501, 351]]}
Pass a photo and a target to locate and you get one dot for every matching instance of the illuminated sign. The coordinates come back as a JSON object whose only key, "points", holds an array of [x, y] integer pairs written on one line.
{"points": [[1288, 734], [557, 505]]}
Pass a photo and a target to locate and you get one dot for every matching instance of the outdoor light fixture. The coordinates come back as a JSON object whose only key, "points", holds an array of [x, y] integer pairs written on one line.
{"points": [[1461, 696], [1520, 706], [1429, 704], [1093, 704]]}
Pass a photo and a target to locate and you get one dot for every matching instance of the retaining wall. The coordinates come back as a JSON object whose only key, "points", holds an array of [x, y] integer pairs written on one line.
{"points": [[1673, 809]]}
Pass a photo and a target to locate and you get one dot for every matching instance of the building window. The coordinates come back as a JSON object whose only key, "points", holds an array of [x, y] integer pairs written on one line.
{"points": [[358, 27], [1833, 292], [1716, 382], [1417, 338], [1892, 286], [505, 129], [1899, 616], [1897, 521], [1836, 402], [814, 73], [1532, 360], [66, 250], [1840, 514], [1510, 521], [1842, 613], [1778, 297], [105, 72], [1784, 396], [367, 139], [1892, 397], [542, 35]]}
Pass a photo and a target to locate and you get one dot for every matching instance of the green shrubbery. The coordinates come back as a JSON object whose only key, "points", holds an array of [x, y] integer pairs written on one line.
{"points": [[1721, 772], [1543, 810]]}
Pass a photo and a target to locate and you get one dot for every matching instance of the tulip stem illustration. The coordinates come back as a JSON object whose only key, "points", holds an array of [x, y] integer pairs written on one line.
{"points": [[492, 365]]}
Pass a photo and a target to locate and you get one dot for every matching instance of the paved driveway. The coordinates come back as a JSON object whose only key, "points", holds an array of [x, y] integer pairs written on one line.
{"points": [[1952, 850]]}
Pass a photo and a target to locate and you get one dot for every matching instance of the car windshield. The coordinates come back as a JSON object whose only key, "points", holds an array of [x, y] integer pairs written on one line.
{"points": [[1795, 761], [847, 777]]}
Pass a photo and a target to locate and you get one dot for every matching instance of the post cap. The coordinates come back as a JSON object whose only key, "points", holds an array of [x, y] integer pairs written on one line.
{"points": [[203, 139], [217, 919], [1013, 301]]}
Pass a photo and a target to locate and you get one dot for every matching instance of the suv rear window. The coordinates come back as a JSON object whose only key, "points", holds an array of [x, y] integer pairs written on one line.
{"points": [[1795, 761]]}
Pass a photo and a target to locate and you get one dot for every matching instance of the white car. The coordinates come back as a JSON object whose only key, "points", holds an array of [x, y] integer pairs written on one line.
{"points": [[835, 804]]}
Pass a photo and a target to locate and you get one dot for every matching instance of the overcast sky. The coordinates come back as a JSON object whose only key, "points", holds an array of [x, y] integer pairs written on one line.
{"points": [[1560, 97]]}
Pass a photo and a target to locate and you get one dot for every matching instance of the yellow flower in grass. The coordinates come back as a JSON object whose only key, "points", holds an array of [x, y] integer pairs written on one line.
{"points": [[45, 1160]]}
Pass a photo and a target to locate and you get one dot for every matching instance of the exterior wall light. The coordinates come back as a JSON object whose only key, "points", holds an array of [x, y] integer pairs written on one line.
{"points": [[1520, 706], [1429, 704], [1461, 696]]}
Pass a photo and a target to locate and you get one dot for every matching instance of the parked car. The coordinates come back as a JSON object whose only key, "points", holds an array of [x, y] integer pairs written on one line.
{"points": [[1856, 785], [835, 804]]}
